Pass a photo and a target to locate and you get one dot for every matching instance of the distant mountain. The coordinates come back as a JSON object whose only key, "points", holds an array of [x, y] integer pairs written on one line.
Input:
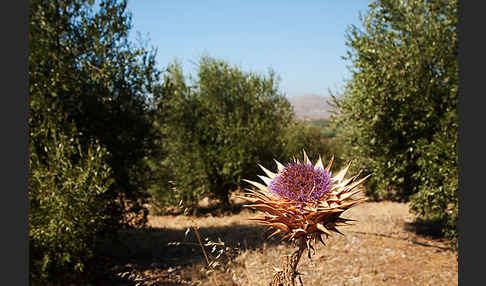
{"points": [[310, 106]]}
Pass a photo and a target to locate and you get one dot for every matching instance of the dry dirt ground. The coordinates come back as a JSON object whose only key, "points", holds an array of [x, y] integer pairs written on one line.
{"points": [[382, 248]]}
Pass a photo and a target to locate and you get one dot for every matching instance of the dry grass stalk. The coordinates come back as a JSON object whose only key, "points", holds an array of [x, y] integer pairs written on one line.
{"points": [[219, 248]]}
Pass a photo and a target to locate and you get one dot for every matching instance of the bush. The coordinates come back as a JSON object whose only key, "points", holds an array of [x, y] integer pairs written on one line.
{"points": [[437, 196], [399, 111], [216, 129], [314, 140], [66, 204], [79, 54], [328, 128]]}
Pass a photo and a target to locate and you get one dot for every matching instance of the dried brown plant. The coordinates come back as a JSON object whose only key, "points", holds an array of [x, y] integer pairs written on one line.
{"points": [[303, 202]]}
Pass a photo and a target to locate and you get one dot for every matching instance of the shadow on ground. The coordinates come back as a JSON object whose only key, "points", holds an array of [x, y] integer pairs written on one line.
{"points": [[427, 228], [165, 249], [171, 247]]}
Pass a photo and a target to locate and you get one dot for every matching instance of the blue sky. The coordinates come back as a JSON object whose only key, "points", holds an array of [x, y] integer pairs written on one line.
{"points": [[302, 41]]}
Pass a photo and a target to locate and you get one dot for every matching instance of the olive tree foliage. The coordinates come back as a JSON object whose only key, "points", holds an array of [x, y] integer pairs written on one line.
{"points": [[81, 61], [399, 110], [67, 202], [89, 132], [216, 127]]}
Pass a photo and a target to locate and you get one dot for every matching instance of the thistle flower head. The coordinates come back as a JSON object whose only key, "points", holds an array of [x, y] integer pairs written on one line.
{"points": [[302, 183], [303, 200]]}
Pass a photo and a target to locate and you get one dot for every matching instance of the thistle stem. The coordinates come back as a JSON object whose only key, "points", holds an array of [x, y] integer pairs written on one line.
{"points": [[287, 276]]}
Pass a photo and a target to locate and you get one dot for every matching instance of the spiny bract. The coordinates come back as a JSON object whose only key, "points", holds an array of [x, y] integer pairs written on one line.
{"points": [[304, 200]]}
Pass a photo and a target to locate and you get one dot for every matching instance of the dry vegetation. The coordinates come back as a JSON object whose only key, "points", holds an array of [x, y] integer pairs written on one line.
{"points": [[381, 249]]}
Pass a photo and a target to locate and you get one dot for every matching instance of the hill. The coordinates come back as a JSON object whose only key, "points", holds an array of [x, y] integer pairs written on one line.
{"points": [[310, 106]]}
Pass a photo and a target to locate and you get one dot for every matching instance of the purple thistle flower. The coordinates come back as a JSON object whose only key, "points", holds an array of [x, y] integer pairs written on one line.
{"points": [[301, 183]]}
